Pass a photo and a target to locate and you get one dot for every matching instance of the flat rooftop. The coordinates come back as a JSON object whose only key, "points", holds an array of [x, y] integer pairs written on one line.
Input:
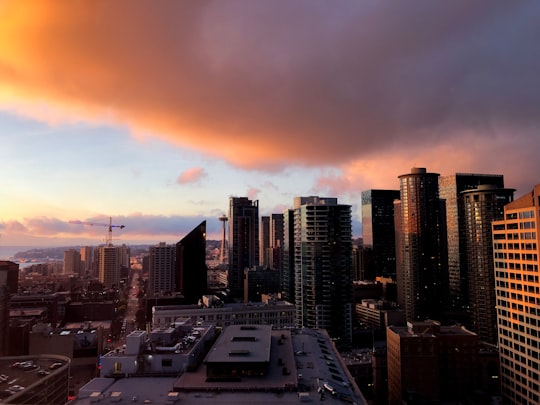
{"points": [[309, 357]]}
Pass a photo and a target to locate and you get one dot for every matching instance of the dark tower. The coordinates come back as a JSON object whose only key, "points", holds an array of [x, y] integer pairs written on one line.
{"points": [[451, 188], [243, 241], [482, 206], [191, 270], [421, 240], [378, 233]]}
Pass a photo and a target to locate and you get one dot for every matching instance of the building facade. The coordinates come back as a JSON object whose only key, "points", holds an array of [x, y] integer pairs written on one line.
{"points": [[420, 246], [191, 270], [9, 282], [72, 262], [378, 233], [482, 206], [109, 266], [162, 264], [323, 266], [243, 241], [451, 188], [430, 363], [517, 286]]}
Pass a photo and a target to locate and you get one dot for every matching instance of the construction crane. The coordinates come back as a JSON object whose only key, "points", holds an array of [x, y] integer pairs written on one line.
{"points": [[110, 225]]}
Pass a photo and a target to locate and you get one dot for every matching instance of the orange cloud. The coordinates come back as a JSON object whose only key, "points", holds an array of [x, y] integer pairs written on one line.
{"points": [[191, 175], [269, 84]]}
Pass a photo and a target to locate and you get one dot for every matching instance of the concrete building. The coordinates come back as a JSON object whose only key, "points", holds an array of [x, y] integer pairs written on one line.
{"points": [[451, 188], [482, 206], [432, 363], [109, 266], [378, 314], [161, 273], [248, 364], [378, 233], [243, 241], [517, 285], [323, 266], [213, 311], [38, 379], [72, 262], [420, 246]]}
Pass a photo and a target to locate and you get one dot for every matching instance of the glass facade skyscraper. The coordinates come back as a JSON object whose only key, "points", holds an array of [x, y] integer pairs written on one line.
{"points": [[421, 246]]}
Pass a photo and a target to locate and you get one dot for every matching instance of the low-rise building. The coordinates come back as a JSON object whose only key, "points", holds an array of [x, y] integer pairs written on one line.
{"points": [[213, 311]]}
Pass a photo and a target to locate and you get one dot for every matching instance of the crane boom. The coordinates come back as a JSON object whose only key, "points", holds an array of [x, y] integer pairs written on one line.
{"points": [[110, 225]]}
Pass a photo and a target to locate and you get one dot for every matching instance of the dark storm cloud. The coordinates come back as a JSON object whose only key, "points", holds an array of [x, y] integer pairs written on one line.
{"points": [[285, 82]]}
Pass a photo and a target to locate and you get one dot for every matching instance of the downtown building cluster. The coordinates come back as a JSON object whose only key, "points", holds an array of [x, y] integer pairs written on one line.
{"points": [[445, 276]]}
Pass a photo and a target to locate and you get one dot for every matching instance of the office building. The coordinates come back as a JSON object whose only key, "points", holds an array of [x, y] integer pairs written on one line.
{"points": [[109, 266], [161, 266], [430, 363], [420, 246], [323, 266], [191, 270], [378, 233], [243, 241], [517, 286], [72, 262], [9, 284], [482, 206], [451, 188], [215, 312]]}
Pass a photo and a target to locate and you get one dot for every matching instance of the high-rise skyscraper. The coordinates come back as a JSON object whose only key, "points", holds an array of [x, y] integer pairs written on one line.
{"points": [[420, 246], [517, 285], [482, 206], [323, 266], [9, 282], [162, 264], [109, 266], [450, 190], [243, 241], [276, 240], [265, 256], [378, 233], [287, 268], [191, 270]]}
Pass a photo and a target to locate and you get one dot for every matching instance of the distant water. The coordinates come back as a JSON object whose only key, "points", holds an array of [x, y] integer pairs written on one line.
{"points": [[7, 252]]}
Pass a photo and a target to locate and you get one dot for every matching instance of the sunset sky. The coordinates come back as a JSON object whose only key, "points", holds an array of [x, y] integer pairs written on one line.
{"points": [[155, 113]]}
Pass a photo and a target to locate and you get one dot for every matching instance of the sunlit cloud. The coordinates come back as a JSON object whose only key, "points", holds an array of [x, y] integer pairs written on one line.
{"points": [[191, 175], [312, 83]]}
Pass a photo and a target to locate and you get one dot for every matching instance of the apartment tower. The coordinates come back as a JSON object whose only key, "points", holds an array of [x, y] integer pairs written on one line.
{"points": [[323, 266], [161, 263], [420, 246], [517, 287], [109, 266], [243, 241]]}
